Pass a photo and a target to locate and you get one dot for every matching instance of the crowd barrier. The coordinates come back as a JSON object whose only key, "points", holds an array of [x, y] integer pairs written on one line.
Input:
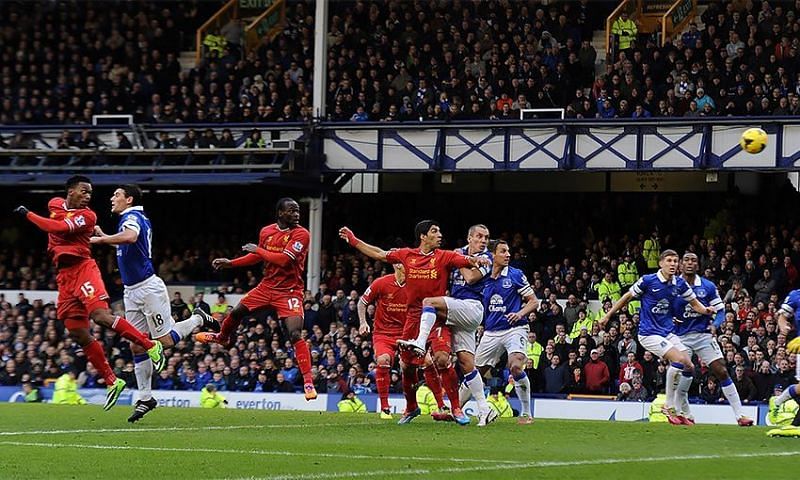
{"points": [[576, 409]]}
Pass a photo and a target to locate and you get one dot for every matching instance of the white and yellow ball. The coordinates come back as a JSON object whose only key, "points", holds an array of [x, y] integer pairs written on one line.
{"points": [[753, 140]]}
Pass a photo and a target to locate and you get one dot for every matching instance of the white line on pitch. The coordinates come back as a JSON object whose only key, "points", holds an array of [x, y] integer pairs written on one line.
{"points": [[516, 466], [243, 451], [172, 429]]}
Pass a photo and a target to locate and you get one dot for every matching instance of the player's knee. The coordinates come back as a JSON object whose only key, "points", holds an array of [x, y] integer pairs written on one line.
{"points": [[516, 369], [467, 363], [384, 361], [441, 360], [103, 317], [295, 336], [79, 336]]}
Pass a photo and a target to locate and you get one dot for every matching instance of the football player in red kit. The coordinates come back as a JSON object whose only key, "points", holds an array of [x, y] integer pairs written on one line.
{"points": [[282, 247], [81, 292]]}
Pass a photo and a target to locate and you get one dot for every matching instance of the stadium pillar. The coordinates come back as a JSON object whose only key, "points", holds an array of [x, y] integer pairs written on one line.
{"points": [[315, 247], [320, 57]]}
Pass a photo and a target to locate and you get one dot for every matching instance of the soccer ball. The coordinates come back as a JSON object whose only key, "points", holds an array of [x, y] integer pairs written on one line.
{"points": [[753, 140]]}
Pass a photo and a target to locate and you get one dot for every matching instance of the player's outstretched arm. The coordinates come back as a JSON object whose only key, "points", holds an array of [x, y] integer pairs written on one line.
{"points": [[275, 258], [45, 224], [371, 251], [243, 261], [619, 305], [126, 236]]}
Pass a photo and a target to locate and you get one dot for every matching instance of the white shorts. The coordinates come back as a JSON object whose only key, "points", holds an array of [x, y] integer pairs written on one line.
{"points": [[659, 345], [147, 307], [704, 345], [494, 344], [464, 317]]}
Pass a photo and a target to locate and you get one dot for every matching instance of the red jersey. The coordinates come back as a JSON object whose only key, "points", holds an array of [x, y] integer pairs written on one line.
{"points": [[75, 242], [294, 243], [390, 305], [427, 274]]}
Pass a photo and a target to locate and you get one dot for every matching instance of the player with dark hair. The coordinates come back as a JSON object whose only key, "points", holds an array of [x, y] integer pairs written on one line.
{"points": [[81, 292], [282, 247], [388, 293], [427, 274], [146, 297]]}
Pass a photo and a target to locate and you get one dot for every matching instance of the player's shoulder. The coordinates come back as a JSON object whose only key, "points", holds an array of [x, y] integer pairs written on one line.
{"points": [[57, 203], [707, 284], [794, 296], [267, 229]]}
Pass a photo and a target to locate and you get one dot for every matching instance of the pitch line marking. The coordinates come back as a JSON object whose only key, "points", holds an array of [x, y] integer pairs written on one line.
{"points": [[174, 429], [246, 452], [516, 466]]}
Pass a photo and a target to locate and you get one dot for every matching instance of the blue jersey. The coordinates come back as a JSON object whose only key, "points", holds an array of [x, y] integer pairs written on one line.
{"points": [[690, 321], [503, 295], [134, 259], [791, 306], [459, 288], [657, 295]]}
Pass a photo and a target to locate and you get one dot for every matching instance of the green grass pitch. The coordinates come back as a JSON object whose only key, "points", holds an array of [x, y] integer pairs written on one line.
{"points": [[83, 442]]}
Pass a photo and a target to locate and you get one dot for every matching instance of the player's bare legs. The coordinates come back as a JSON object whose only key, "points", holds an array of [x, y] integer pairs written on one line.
{"points": [[104, 317], [95, 354], [302, 354]]}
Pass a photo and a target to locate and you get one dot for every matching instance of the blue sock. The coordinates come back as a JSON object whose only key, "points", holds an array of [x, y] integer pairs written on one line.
{"points": [[175, 337], [793, 391], [677, 365], [687, 374], [726, 382], [141, 357], [471, 375], [519, 377]]}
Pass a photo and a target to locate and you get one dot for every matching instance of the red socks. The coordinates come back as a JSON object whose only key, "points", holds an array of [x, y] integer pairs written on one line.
{"points": [[303, 356], [409, 380], [229, 326], [382, 379], [94, 352], [129, 332], [450, 382], [434, 383]]}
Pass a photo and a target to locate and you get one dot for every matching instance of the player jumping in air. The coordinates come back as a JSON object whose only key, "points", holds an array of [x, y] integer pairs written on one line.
{"points": [[81, 292], [657, 291], [283, 247], [427, 272], [692, 328], [389, 295], [462, 312], [146, 298]]}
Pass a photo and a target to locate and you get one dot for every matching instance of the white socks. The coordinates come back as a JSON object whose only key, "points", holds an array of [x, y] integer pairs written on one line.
{"points": [[426, 322], [673, 373], [730, 392], [522, 387], [474, 382], [143, 368], [186, 327]]}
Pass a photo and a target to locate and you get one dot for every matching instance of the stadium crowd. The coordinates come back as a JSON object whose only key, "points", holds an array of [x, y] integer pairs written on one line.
{"points": [[396, 61], [752, 257]]}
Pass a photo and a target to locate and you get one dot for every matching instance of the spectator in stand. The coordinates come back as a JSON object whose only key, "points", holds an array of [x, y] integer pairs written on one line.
{"points": [[627, 369], [556, 376], [597, 374]]}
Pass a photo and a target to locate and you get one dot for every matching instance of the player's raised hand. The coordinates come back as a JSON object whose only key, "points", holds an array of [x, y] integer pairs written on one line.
{"points": [[363, 328], [221, 263], [348, 236], [22, 210], [98, 232], [513, 317], [250, 247]]}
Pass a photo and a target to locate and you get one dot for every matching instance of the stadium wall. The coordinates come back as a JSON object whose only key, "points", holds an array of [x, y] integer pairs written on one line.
{"points": [[605, 410]]}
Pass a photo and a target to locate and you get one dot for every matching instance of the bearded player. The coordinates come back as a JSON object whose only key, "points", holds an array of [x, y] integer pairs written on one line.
{"points": [[282, 247], [81, 291], [427, 273]]}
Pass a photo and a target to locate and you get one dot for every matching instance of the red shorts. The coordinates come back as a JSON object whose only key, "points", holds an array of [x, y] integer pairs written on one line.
{"points": [[385, 345], [440, 340], [286, 303], [81, 291]]}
